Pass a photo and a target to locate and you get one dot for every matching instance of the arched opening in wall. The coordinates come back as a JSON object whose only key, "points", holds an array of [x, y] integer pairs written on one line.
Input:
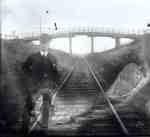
{"points": [[81, 45], [36, 42], [102, 44], [125, 41], [60, 44]]}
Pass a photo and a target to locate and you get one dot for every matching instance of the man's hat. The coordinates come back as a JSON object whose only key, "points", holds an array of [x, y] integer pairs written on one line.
{"points": [[44, 38]]}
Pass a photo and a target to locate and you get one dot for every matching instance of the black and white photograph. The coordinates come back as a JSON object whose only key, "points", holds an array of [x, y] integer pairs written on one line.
{"points": [[75, 68]]}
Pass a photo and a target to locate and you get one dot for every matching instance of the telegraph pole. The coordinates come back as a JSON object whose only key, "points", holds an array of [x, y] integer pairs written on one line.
{"points": [[41, 25], [40, 28]]}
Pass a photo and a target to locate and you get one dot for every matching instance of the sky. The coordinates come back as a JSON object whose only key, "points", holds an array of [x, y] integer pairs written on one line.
{"points": [[24, 15]]}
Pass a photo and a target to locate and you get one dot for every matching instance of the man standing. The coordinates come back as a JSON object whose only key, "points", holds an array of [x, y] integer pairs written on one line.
{"points": [[41, 67]]}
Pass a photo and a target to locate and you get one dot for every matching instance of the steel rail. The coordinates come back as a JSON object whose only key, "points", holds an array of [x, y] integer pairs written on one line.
{"points": [[35, 123], [62, 84], [124, 129]]}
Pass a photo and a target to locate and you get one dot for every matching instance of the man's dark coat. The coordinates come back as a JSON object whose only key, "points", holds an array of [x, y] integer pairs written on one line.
{"points": [[41, 67]]}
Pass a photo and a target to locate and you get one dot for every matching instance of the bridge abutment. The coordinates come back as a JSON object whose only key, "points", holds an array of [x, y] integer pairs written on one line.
{"points": [[70, 45], [92, 44], [146, 44]]}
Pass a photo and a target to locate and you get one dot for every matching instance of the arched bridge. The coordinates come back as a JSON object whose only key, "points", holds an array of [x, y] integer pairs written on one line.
{"points": [[91, 32]]}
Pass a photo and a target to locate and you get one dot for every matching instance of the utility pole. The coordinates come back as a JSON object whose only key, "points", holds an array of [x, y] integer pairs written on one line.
{"points": [[40, 28]]}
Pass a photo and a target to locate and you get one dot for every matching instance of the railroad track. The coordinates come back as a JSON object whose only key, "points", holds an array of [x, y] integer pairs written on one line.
{"points": [[80, 103]]}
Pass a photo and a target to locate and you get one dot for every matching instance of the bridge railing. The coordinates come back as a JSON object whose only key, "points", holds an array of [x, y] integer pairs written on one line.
{"points": [[97, 30], [20, 36], [75, 30]]}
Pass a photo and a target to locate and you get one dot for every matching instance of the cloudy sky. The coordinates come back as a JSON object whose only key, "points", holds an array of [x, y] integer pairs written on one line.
{"points": [[24, 15]]}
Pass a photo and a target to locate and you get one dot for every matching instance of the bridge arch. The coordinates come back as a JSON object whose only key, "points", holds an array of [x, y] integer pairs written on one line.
{"points": [[91, 32]]}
